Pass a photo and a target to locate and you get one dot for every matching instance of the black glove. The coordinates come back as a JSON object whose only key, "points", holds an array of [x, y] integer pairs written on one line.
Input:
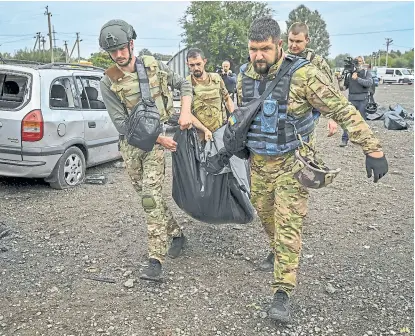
{"points": [[378, 165]]}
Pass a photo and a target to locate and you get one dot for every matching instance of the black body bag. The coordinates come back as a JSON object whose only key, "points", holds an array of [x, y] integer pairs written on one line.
{"points": [[210, 198], [143, 124]]}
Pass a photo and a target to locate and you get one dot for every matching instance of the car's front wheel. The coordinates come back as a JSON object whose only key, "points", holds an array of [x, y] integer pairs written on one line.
{"points": [[69, 171]]}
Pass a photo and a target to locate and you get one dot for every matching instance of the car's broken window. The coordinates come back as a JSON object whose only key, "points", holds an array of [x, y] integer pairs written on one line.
{"points": [[13, 90]]}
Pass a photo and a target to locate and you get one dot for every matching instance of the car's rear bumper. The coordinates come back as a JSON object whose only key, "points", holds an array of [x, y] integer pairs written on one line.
{"points": [[40, 168]]}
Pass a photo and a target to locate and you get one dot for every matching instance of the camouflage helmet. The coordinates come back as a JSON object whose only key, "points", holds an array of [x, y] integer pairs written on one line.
{"points": [[311, 172], [115, 34]]}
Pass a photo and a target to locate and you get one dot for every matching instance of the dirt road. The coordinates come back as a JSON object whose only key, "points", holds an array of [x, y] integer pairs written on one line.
{"points": [[66, 255]]}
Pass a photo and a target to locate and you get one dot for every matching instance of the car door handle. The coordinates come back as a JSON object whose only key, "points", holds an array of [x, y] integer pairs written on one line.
{"points": [[92, 124]]}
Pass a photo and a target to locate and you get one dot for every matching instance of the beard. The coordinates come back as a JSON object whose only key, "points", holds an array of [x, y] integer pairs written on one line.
{"points": [[197, 73], [122, 61], [262, 67]]}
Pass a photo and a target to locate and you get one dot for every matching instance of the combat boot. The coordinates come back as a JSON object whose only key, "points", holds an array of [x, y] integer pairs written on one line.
{"points": [[343, 143], [268, 264], [153, 271], [280, 307], [176, 246]]}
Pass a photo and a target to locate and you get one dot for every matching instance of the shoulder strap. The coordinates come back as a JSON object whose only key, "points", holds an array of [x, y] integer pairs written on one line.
{"points": [[142, 79]]}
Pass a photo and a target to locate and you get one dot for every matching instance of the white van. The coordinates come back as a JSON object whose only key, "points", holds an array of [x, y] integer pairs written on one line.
{"points": [[395, 75]]}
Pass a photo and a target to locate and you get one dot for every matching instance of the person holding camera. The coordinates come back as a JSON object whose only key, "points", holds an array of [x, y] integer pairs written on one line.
{"points": [[359, 84], [228, 77]]}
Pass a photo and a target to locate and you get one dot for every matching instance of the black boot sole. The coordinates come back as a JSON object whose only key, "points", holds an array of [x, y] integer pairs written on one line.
{"points": [[150, 278]]}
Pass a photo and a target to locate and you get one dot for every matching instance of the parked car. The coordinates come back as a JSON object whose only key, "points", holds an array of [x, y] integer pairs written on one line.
{"points": [[53, 122], [395, 75]]}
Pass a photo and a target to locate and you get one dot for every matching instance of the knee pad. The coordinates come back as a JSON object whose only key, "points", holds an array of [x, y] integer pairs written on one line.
{"points": [[148, 202]]}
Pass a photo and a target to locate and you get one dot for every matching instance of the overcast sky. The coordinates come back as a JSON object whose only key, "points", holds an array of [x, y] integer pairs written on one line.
{"points": [[354, 27]]}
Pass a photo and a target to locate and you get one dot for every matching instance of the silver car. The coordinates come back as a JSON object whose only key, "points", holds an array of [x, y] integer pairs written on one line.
{"points": [[53, 122]]}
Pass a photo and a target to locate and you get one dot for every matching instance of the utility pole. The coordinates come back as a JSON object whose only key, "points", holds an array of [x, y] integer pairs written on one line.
{"points": [[79, 52], [50, 33], [37, 40], [73, 48], [388, 43], [54, 39], [66, 52], [43, 42]]}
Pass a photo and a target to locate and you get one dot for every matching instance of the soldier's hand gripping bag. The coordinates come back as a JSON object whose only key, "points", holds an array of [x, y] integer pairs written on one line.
{"points": [[235, 135], [210, 198], [143, 125]]}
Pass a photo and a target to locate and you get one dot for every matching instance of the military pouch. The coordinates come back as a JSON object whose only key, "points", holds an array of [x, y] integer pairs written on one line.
{"points": [[143, 124], [269, 117]]}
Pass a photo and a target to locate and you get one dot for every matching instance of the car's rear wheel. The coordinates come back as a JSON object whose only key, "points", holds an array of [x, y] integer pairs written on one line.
{"points": [[69, 171]]}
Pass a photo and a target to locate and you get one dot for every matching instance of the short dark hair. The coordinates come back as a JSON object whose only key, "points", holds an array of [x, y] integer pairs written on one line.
{"points": [[194, 52], [264, 28], [298, 27]]}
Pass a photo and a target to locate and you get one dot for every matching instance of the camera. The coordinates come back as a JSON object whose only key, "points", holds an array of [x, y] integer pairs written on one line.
{"points": [[218, 70], [350, 66]]}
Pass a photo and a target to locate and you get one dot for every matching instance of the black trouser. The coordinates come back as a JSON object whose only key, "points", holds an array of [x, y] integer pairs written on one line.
{"points": [[361, 107]]}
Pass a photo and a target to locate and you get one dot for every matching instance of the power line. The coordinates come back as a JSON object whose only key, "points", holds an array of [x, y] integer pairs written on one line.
{"points": [[24, 39], [403, 47], [12, 35], [138, 38], [373, 32]]}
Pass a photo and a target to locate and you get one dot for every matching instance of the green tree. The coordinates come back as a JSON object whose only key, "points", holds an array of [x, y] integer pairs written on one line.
{"points": [[162, 57], [331, 63], [319, 36], [39, 56], [101, 59], [145, 51], [339, 60], [409, 56], [220, 29]]}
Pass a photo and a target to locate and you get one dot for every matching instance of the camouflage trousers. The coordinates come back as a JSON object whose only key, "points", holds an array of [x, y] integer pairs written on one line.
{"points": [[281, 203], [147, 172]]}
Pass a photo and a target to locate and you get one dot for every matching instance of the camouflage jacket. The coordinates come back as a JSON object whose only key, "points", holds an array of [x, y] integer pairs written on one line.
{"points": [[209, 98], [312, 88], [121, 90], [320, 63]]}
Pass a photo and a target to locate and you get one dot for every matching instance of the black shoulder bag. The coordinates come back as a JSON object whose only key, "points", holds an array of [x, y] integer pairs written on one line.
{"points": [[143, 124]]}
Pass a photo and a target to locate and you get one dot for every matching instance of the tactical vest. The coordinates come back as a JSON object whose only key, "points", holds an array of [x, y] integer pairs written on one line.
{"points": [[207, 102], [127, 88], [273, 131]]}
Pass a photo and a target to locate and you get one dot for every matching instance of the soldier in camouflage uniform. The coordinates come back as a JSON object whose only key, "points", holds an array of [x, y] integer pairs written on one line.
{"points": [[298, 39], [278, 197], [121, 92], [209, 94]]}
